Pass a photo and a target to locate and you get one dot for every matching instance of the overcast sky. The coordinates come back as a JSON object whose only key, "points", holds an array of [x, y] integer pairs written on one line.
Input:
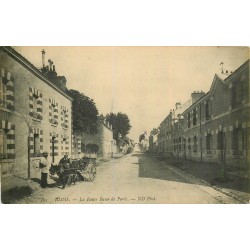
{"points": [[143, 82]]}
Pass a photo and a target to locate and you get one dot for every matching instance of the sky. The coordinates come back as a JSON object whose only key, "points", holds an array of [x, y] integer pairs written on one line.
{"points": [[142, 82]]}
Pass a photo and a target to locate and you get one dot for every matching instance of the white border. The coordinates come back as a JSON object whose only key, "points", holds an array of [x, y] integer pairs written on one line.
{"points": [[111, 23]]}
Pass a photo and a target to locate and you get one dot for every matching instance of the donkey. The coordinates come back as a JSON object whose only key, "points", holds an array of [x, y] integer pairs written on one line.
{"points": [[66, 176]]}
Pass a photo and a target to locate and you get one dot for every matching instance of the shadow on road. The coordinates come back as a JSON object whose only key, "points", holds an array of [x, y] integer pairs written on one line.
{"points": [[149, 168], [211, 173], [16, 193]]}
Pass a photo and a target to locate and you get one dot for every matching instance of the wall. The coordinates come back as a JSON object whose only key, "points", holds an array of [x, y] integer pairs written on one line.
{"points": [[25, 126]]}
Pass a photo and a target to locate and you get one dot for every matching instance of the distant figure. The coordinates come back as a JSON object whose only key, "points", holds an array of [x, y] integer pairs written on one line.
{"points": [[44, 165]]}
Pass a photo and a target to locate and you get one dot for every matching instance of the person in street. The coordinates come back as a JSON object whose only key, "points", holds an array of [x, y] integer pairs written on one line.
{"points": [[64, 160], [64, 163], [44, 166]]}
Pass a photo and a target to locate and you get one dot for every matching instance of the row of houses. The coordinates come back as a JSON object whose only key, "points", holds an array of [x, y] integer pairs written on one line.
{"points": [[36, 116], [212, 127]]}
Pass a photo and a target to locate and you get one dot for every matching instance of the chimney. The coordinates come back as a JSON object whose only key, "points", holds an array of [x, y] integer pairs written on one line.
{"points": [[196, 95], [50, 64], [43, 57], [177, 105]]}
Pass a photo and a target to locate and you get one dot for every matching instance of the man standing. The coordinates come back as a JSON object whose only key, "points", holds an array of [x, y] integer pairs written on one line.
{"points": [[44, 166]]}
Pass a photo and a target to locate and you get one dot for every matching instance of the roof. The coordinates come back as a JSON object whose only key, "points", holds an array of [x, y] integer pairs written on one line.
{"points": [[29, 66], [237, 71], [215, 80]]}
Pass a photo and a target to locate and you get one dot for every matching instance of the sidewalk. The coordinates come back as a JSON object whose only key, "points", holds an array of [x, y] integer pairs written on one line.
{"points": [[234, 183], [15, 187]]}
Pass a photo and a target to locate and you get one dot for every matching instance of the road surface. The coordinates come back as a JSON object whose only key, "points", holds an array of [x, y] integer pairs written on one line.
{"points": [[134, 178]]}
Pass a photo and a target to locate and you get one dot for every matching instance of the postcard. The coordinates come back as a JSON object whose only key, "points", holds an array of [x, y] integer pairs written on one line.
{"points": [[124, 125]]}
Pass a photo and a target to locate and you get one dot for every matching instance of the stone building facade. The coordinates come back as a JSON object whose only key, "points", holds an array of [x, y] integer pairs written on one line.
{"points": [[35, 113], [100, 144], [170, 125], [153, 141], [215, 128]]}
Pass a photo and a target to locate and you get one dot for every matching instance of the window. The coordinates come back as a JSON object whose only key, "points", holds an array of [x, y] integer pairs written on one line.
{"points": [[63, 116], [189, 143], [195, 144], [220, 141], [64, 119], [209, 143], [180, 143], [54, 112], [208, 110], [189, 120], [237, 140], [194, 117], [3, 102], [237, 93], [35, 106], [3, 142]]}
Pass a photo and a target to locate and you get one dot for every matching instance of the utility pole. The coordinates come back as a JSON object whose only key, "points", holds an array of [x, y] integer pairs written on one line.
{"points": [[28, 147]]}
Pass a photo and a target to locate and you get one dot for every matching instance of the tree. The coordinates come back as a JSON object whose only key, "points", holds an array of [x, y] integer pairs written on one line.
{"points": [[141, 137], [120, 124], [84, 112]]}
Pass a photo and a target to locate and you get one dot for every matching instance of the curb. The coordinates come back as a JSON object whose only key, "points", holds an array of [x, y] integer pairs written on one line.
{"points": [[197, 180]]}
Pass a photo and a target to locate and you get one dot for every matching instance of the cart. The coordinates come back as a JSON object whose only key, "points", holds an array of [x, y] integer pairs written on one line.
{"points": [[87, 168], [76, 171]]}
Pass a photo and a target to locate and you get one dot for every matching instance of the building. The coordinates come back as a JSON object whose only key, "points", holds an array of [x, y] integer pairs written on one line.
{"points": [[35, 112], [215, 127], [169, 126], [100, 144], [153, 141], [181, 143]]}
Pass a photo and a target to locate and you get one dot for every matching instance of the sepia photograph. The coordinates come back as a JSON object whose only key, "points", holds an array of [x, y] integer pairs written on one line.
{"points": [[124, 125]]}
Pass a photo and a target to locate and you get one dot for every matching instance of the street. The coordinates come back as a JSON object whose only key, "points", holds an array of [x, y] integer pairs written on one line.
{"points": [[134, 178]]}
